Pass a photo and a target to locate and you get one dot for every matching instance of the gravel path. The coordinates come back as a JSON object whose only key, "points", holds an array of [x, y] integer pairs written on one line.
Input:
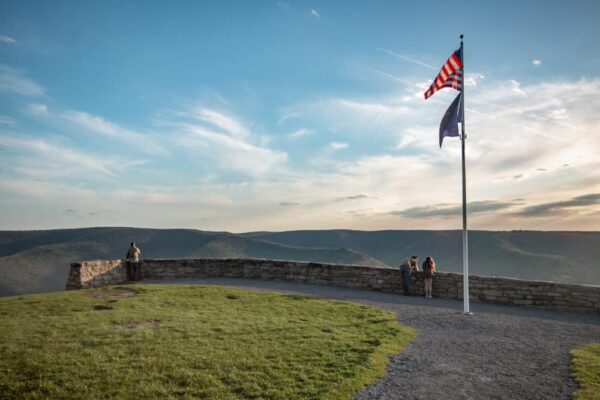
{"points": [[499, 352]]}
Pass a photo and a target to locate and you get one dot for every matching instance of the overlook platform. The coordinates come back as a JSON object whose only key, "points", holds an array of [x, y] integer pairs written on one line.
{"points": [[499, 352]]}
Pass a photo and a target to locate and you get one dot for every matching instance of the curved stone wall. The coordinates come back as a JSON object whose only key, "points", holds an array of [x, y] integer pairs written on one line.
{"points": [[548, 295]]}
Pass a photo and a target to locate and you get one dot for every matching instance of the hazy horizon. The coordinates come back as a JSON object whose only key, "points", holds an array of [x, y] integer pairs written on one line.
{"points": [[287, 115], [294, 230]]}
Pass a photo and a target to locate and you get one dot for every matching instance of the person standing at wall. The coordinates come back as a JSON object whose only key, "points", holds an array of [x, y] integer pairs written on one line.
{"points": [[133, 262], [414, 263], [428, 272], [405, 269]]}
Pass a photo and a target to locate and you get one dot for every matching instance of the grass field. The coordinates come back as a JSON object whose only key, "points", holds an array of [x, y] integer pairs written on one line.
{"points": [[159, 341], [586, 368]]}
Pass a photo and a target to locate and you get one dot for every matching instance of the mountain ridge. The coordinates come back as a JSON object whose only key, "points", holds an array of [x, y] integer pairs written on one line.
{"points": [[38, 260]]}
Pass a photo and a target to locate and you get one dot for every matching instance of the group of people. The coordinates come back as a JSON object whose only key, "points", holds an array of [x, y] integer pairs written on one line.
{"points": [[411, 265]]}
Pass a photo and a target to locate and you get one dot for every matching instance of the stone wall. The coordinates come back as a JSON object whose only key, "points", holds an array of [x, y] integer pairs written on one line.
{"points": [[89, 274], [548, 295]]}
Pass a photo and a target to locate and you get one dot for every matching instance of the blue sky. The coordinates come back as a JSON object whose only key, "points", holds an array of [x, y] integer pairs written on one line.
{"points": [[278, 115]]}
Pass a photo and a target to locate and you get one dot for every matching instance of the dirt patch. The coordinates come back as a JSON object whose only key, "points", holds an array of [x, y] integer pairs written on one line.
{"points": [[102, 307], [154, 323], [111, 295]]}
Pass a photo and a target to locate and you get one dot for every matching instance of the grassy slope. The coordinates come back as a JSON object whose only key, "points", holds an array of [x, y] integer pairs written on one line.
{"points": [[586, 368], [191, 342]]}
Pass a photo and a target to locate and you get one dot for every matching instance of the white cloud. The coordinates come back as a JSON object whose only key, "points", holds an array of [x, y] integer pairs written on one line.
{"points": [[140, 142], [355, 116], [220, 121], [38, 109], [213, 135], [372, 108], [536, 62], [520, 137], [15, 81], [231, 154], [314, 13], [473, 79], [335, 146], [299, 133], [513, 131], [287, 116], [7, 39]]}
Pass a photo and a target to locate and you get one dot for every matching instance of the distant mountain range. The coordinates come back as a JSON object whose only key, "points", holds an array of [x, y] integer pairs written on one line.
{"points": [[38, 261]]}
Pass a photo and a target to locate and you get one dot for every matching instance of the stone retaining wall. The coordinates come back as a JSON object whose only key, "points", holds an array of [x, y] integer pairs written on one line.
{"points": [[548, 295], [88, 274]]}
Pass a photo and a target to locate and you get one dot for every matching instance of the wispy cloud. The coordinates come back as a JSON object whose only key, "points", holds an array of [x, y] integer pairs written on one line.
{"points": [[15, 81], [57, 155], [230, 153], [354, 197], [536, 62], [335, 146], [391, 77], [521, 136], [7, 39], [93, 123], [453, 210], [38, 109], [558, 208], [408, 59], [299, 133], [221, 121], [314, 13], [473, 79], [515, 130], [286, 116], [226, 141], [288, 204]]}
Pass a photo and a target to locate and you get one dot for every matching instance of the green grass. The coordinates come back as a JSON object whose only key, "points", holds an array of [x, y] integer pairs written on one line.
{"points": [[586, 368], [190, 342]]}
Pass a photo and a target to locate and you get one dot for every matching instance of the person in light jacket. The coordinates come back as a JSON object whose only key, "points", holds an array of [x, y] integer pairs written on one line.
{"points": [[407, 267], [133, 262]]}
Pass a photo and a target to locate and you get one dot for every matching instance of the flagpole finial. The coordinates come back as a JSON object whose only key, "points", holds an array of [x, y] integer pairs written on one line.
{"points": [[461, 37]]}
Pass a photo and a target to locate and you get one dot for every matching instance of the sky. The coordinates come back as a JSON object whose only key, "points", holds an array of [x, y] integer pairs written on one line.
{"points": [[281, 115]]}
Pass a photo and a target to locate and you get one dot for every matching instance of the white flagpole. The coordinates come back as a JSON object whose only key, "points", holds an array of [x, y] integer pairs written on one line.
{"points": [[464, 192]]}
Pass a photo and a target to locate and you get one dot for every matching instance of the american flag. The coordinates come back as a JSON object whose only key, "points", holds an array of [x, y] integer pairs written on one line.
{"points": [[450, 75]]}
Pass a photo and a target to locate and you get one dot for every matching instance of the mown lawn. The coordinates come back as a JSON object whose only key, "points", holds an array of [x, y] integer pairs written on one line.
{"points": [[586, 368], [161, 342]]}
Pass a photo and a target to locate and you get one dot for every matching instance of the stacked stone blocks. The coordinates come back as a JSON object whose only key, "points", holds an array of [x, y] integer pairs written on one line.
{"points": [[547, 295]]}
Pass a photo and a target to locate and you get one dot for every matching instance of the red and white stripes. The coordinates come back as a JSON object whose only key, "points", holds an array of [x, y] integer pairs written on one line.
{"points": [[450, 75]]}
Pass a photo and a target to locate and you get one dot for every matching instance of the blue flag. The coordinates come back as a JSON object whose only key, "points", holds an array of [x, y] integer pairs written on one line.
{"points": [[453, 115]]}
